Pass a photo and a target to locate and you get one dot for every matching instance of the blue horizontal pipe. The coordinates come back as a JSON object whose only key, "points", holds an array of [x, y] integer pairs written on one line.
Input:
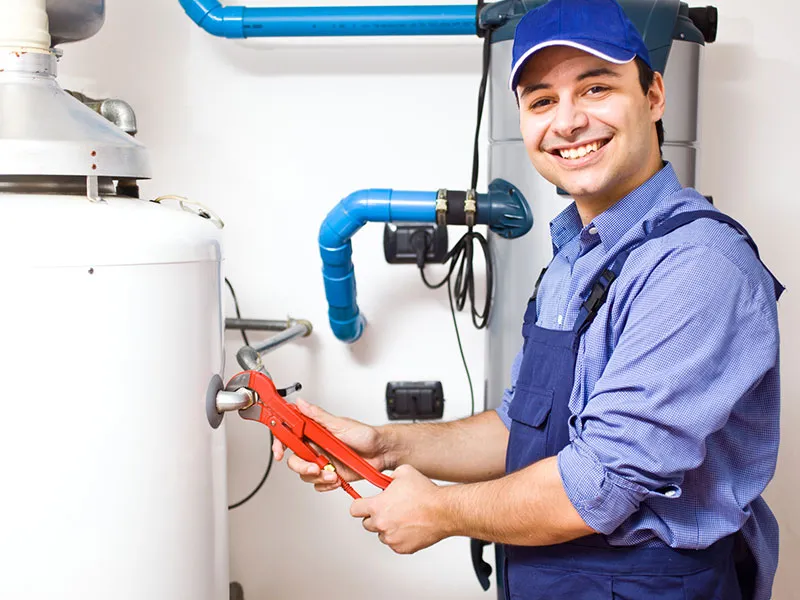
{"points": [[347, 217], [312, 21]]}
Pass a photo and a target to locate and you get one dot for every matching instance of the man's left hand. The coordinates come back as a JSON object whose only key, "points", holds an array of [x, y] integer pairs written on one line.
{"points": [[406, 516]]}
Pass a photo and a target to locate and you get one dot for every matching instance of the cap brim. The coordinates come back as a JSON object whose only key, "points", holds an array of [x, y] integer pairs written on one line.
{"points": [[516, 70]]}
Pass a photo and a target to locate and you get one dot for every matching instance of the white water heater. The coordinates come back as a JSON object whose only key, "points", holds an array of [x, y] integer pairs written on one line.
{"points": [[113, 470]]}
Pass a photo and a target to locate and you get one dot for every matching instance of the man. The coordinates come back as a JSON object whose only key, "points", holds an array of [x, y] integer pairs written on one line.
{"points": [[628, 458]]}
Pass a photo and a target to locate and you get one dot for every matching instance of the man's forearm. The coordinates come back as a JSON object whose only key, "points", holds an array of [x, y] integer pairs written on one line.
{"points": [[467, 450], [527, 508]]}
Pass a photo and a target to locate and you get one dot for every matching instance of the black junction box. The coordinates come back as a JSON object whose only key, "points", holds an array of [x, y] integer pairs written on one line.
{"points": [[406, 242], [414, 400]]}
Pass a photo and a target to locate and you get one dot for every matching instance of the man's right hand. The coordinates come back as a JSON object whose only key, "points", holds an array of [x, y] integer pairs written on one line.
{"points": [[362, 438]]}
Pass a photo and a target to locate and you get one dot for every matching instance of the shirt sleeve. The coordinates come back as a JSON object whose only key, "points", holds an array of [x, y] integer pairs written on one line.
{"points": [[508, 393], [695, 340]]}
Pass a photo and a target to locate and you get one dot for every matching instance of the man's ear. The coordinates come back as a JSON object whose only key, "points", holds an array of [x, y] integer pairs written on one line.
{"points": [[657, 97]]}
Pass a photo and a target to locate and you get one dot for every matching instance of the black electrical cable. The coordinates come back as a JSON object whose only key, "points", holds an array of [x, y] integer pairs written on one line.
{"points": [[236, 308], [260, 483], [487, 54], [462, 254], [269, 462]]}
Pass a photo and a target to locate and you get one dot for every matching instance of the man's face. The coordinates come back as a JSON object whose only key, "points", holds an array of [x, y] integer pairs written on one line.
{"points": [[587, 125]]}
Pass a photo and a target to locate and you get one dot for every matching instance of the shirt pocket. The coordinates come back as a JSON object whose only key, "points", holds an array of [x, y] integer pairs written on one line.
{"points": [[531, 406]]}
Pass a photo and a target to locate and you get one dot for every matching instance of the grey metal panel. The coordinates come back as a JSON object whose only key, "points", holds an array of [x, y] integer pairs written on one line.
{"points": [[503, 110], [74, 20], [517, 262], [684, 161], [682, 83]]}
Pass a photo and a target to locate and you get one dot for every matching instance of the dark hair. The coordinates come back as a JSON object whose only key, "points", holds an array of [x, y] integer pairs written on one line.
{"points": [[646, 76]]}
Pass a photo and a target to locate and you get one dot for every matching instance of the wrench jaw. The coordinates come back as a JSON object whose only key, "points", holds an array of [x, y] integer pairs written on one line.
{"points": [[238, 381], [252, 413]]}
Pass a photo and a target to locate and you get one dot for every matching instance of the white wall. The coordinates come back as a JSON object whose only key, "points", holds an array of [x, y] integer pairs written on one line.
{"points": [[272, 134]]}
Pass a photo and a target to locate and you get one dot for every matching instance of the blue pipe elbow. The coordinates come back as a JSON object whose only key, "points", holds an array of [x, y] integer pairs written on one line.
{"points": [[222, 21], [336, 250], [313, 21]]}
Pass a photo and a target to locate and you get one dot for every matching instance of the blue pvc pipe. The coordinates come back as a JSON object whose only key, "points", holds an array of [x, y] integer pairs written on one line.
{"points": [[350, 215], [242, 21]]}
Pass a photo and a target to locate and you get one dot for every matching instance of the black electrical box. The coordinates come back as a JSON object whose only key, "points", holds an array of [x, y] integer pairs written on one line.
{"points": [[419, 243], [414, 400]]}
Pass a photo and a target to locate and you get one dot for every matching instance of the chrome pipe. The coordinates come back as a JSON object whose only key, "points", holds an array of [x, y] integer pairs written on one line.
{"points": [[297, 329], [257, 324]]}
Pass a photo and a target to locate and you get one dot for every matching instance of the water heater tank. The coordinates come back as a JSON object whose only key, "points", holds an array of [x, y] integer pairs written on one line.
{"points": [[110, 313]]}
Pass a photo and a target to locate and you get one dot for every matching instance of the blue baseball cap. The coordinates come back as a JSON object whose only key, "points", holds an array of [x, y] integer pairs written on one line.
{"points": [[599, 27]]}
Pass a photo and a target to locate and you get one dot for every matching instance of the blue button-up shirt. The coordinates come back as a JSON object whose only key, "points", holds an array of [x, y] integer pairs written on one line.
{"points": [[675, 403]]}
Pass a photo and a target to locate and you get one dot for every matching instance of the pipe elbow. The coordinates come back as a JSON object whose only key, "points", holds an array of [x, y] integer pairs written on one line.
{"points": [[120, 113], [336, 250], [218, 20], [351, 214]]}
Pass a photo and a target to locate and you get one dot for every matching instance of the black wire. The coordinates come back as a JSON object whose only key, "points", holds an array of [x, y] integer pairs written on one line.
{"points": [[462, 254], [461, 257], [260, 483], [236, 307], [487, 53], [271, 438]]}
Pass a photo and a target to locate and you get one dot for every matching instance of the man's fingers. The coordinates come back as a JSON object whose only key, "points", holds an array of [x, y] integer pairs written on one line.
{"points": [[360, 508], [369, 525], [277, 449], [302, 467], [326, 487], [313, 411]]}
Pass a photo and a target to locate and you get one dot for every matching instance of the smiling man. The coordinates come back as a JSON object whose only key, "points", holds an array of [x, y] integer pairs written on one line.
{"points": [[629, 455]]}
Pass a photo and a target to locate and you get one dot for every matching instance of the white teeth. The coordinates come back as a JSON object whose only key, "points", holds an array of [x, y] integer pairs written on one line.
{"points": [[573, 153]]}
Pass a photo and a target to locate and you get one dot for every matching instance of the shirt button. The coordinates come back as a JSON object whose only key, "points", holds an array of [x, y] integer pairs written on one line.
{"points": [[592, 230]]}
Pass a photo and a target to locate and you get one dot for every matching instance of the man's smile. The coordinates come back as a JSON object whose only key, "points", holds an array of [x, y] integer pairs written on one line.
{"points": [[579, 155]]}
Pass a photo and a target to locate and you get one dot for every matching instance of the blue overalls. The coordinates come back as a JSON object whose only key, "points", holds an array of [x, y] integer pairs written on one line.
{"points": [[589, 568]]}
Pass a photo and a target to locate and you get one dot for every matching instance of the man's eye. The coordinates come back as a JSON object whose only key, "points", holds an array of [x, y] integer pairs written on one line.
{"points": [[540, 103], [596, 89]]}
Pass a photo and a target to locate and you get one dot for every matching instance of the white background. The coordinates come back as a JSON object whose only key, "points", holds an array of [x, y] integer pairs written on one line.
{"points": [[271, 134]]}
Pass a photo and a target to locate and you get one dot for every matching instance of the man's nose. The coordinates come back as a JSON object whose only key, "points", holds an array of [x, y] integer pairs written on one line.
{"points": [[569, 120]]}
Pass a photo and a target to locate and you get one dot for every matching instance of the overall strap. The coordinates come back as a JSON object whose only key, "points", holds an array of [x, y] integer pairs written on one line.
{"points": [[538, 283], [682, 219], [599, 291]]}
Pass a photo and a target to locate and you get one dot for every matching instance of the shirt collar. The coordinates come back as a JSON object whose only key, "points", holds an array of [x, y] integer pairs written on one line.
{"points": [[565, 227], [617, 220]]}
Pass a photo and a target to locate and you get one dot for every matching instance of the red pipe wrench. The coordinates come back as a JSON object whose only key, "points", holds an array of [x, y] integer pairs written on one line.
{"points": [[298, 431]]}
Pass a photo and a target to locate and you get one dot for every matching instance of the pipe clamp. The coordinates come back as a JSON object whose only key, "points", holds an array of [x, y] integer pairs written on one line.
{"points": [[441, 207], [470, 208]]}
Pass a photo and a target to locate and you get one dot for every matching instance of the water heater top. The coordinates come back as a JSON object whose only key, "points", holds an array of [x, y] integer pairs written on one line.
{"points": [[45, 131]]}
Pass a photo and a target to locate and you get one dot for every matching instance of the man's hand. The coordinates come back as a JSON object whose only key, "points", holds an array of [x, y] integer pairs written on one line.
{"points": [[407, 515], [360, 437]]}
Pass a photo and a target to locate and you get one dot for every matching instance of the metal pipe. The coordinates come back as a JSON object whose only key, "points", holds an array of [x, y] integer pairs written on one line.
{"points": [[235, 400], [257, 324], [249, 357], [312, 21], [298, 329], [118, 112], [249, 360]]}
